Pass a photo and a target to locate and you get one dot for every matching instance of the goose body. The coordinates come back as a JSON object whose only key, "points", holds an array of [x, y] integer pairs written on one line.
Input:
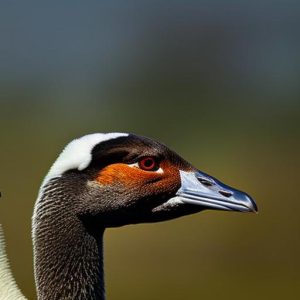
{"points": [[110, 180]]}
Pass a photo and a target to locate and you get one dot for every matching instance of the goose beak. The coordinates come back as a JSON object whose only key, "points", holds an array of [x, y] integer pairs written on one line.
{"points": [[199, 188]]}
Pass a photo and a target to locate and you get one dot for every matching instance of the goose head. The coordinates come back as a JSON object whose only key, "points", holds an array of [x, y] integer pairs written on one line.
{"points": [[110, 180], [121, 179]]}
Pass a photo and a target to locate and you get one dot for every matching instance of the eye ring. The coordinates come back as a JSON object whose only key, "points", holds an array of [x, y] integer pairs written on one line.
{"points": [[148, 164]]}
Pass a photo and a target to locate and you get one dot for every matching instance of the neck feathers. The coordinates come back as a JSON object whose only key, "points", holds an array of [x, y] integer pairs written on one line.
{"points": [[68, 260]]}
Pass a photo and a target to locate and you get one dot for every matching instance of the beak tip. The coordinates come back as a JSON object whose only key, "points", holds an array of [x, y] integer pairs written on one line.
{"points": [[251, 210], [255, 210], [252, 205]]}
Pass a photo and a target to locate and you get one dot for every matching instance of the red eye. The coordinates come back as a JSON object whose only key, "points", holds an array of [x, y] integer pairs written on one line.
{"points": [[148, 164]]}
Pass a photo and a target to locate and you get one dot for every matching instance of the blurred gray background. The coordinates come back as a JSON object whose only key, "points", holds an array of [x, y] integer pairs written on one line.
{"points": [[217, 81]]}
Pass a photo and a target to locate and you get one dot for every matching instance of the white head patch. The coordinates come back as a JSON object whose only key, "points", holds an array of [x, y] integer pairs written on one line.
{"points": [[78, 154]]}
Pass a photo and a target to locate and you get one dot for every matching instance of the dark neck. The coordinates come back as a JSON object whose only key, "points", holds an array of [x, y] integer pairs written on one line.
{"points": [[68, 257]]}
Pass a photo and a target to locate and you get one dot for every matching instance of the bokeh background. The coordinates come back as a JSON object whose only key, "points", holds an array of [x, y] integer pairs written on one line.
{"points": [[217, 81]]}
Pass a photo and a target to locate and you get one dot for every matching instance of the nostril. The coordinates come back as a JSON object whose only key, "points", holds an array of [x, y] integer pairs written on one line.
{"points": [[225, 193], [205, 181]]}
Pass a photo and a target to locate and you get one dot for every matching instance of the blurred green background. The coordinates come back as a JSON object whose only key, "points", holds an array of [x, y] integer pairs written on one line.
{"points": [[217, 81]]}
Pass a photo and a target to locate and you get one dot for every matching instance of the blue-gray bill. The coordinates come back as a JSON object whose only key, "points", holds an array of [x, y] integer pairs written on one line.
{"points": [[199, 188]]}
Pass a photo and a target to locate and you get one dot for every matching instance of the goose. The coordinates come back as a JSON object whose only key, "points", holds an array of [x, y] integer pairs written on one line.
{"points": [[104, 180]]}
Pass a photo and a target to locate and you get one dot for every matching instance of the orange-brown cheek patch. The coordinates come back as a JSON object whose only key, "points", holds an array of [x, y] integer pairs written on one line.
{"points": [[153, 183], [122, 173], [170, 180]]}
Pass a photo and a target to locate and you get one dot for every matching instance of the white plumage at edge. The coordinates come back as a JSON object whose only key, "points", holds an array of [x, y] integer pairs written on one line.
{"points": [[8, 286]]}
